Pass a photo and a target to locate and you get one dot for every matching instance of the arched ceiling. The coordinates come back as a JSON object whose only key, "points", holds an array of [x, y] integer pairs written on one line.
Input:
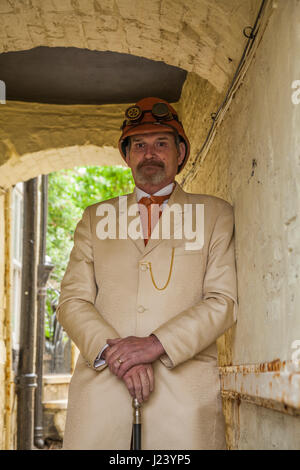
{"points": [[200, 36]]}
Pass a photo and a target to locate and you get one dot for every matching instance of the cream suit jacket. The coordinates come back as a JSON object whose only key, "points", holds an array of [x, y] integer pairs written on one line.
{"points": [[107, 292]]}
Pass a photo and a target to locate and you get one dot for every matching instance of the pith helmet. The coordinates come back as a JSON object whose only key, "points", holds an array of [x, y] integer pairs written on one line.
{"points": [[152, 115]]}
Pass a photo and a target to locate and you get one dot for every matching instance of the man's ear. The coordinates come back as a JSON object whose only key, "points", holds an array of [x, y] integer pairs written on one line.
{"points": [[181, 153]]}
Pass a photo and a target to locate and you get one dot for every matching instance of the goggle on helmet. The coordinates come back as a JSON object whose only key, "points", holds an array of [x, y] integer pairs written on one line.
{"points": [[159, 111]]}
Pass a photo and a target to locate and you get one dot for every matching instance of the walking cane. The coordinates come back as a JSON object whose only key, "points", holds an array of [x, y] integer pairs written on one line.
{"points": [[136, 437]]}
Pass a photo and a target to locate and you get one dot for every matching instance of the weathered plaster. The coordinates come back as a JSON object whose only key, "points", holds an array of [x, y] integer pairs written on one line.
{"points": [[254, 163]]}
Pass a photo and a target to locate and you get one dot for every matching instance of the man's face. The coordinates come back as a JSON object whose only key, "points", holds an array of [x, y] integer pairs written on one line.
{"points": [[154, 158]]}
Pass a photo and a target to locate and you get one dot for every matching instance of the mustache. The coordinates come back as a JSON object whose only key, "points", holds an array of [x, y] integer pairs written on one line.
{"points": [[151, 162]]}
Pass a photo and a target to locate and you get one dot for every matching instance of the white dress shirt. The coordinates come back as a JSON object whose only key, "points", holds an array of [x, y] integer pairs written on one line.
{"points": [[139, 194]]}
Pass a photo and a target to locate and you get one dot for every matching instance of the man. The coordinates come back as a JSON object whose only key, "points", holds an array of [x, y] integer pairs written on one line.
{"points": [[145, 311]]}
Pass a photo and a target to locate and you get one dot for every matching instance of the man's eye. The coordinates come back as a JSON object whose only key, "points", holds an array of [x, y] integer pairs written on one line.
{"points": [[140, 145], [161, 144]]}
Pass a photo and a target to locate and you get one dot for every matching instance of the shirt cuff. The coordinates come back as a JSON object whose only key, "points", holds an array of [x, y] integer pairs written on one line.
{"points": [[99, 362]]}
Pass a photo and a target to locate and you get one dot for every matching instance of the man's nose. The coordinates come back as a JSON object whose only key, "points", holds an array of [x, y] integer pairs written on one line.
{"points": [[149, 150]]}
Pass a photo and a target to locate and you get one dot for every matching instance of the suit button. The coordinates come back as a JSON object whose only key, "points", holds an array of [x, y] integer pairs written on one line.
{"points": [[141, 309], [144, 267]]}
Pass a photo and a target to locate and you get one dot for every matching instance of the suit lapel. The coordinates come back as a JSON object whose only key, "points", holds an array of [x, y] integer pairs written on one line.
{"points": [[128, 217]]}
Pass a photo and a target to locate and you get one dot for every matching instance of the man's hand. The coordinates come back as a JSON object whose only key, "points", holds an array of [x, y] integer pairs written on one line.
{"points": [[140, 381], [131, 351]]}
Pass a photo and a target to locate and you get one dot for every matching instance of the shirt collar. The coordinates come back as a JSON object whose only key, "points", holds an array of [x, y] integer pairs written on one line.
{"points": [[162, 192]]}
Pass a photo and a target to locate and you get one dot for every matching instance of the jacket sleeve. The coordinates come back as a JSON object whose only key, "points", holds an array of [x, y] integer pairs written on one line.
{"points": [[76, 311], [194, 329]]}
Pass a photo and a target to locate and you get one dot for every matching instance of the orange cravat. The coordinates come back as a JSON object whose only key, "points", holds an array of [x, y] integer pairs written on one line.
{"points": [[148, 202]]}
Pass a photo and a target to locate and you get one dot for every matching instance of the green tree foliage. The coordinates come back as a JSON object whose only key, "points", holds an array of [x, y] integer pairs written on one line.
{"points": [[70, 192]]}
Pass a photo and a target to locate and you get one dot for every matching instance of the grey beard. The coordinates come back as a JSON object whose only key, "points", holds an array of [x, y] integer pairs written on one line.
{"points": [[152, 179]]}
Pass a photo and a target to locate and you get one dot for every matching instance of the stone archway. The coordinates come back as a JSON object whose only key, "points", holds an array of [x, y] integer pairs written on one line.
{"points": [[37, 138], [200, 36], [203, 37], [44, 162]]}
